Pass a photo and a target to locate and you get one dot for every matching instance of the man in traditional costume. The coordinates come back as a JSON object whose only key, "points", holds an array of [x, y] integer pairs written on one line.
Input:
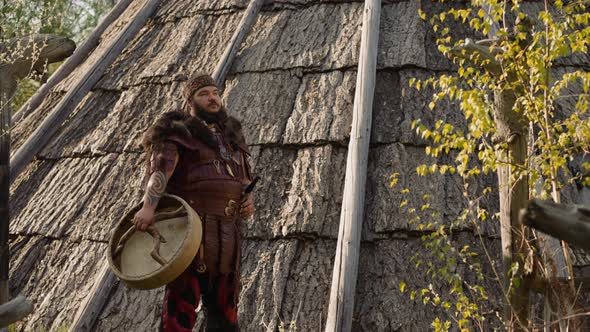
{"points": [[201, 156]]}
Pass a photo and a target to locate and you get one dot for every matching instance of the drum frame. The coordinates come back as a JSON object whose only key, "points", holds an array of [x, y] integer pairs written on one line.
{"points": [[176, 265]]}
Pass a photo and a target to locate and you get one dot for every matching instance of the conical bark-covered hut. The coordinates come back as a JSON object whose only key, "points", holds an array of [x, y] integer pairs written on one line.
{"points": [[292, 84]]}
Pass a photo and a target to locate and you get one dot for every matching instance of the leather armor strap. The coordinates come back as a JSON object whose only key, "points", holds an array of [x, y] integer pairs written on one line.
{"points": [[201, 266]]}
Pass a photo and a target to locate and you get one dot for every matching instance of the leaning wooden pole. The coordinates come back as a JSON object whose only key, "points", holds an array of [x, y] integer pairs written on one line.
{"points": [[79, 56], [5, 111], [39, 138], [344, 275], [105, 280], [93, 304], [232, 48]]}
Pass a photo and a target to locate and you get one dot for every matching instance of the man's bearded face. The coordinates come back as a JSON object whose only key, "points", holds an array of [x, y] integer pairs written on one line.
{"points": [[207, 98]]}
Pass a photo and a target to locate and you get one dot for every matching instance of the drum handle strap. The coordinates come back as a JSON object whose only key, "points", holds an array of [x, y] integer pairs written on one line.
{"points": [[153, 231], [158, 238]]}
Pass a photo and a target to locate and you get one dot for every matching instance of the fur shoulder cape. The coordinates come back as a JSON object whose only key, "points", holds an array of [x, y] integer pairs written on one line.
{"points": [[184, 125]]}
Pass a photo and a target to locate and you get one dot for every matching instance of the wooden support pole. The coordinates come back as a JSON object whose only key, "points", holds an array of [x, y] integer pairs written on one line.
{"points": [[511, 129], [513, 196], [344, 275], [5, 111], [79, 56], [245, 25], [43, 134], [92, 306]]}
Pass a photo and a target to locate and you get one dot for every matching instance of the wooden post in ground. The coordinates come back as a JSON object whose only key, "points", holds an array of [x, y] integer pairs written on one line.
{"points": [[79, 56], [511, 129], [344, 275], [514, 193]]}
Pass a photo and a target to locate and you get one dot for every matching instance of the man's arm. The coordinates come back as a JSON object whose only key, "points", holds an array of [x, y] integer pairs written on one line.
{"points": [[163, 161]]}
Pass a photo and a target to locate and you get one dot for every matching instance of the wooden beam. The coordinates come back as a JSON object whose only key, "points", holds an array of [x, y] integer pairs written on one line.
{"points": [[34, 51], [79, 56], [15, 310], [43, 134], [245, 25], [344, 275], [567, 222], [513, 196], [540, 283], [93, 304]]}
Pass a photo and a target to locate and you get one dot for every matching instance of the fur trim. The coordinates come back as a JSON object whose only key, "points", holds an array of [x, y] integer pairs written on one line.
{"points": [[184, 125]]}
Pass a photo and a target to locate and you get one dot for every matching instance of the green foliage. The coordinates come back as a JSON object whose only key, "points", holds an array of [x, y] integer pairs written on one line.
{"points": [[464, 298], [26, 89], [287, 327], [528, 69], [550, 109], [62, 328], [69, 18], [73, 19]]}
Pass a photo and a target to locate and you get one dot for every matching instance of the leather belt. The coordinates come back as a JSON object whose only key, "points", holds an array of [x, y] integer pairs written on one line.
{"points": [[220, 207]]}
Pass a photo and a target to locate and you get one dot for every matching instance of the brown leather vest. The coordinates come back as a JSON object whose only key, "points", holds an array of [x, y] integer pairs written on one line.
{"points": [[212, 181]]}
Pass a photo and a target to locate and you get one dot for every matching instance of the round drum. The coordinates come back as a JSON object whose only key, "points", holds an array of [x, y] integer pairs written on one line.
{"points": [[152, 258]]}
